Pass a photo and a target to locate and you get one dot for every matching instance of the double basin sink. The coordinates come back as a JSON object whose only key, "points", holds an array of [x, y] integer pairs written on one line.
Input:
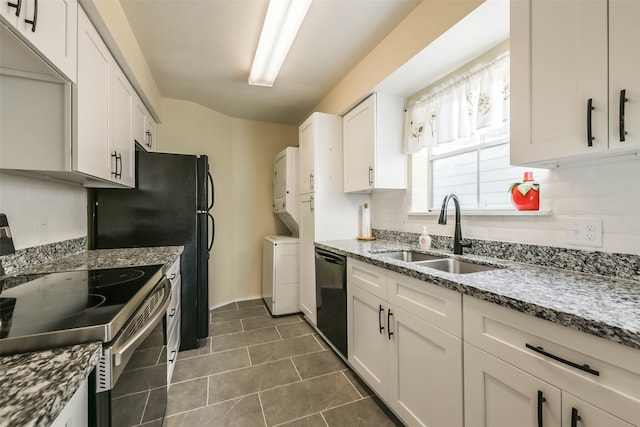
{"points": [[442, 263]]}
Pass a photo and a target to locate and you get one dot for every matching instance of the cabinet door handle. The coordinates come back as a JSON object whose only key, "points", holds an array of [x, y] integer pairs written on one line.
{"points": [[380, 325], [541, 400], [370, 176], [575, 417], [119, 171], [311, 181], [173, 312], [389, 314], [18, 6], [173, 356], [35, 17], [586, 368], [623, 100], [312, 203], [590, 108], [114, 169]]}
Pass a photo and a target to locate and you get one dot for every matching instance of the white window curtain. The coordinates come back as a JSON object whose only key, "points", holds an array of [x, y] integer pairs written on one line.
{"points": [[460, 107]]}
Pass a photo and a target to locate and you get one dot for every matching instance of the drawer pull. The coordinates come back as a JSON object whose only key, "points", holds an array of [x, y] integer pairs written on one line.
{"points": [[585, 368], [541, 400], [173, 356], [380, 311], [575, 417]]}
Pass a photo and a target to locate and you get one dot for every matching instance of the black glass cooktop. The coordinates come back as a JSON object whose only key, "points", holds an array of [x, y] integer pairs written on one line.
{"points": [[31, 305]]}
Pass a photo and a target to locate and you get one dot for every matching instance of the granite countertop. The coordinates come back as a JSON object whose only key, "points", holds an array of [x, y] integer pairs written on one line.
{"points": [[603, 306], [35, 387]]}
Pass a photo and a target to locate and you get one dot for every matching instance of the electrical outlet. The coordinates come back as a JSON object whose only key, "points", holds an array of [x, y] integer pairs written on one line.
{"points": [[585, 232]]}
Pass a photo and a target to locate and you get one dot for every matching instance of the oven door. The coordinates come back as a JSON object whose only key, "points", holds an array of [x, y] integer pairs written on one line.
{"points": [[131, 377]]}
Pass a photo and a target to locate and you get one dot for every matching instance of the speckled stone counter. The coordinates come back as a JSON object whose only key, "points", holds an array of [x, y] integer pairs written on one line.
{"points": [[110, 258], [35, 387], [606, 307]]}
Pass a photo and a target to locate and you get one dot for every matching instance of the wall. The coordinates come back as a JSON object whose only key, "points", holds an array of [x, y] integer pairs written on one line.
{"points": [[42, 211], [240, 156], [603, 191], [429, 20]]}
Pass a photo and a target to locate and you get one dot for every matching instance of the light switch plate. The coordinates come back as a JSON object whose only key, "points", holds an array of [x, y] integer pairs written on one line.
{"points": [[585, 232]]}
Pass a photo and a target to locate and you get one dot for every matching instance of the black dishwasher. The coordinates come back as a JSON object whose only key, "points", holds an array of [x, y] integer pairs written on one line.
{"points": [[331, 298]]}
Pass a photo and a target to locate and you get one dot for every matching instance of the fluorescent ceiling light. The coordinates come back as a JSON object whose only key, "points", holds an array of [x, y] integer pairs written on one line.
{"points": [[281, 26]]}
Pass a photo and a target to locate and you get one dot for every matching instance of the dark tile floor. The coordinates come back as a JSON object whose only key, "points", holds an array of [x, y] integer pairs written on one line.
{"points": [[261, 371]]}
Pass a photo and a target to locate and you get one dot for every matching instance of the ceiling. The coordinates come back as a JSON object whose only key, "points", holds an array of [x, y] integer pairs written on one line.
{"points": [[202, 51]]}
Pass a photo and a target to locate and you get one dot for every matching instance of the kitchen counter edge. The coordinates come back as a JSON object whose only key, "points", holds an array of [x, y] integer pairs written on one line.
{"points": [[601, 306]]}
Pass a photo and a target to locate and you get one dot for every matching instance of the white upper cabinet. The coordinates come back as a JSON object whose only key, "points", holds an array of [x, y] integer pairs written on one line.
{"points": [[373, 157], [91, 154], [569, 62], [50, 26], [144, 127], [624, 72], [103, 145]]}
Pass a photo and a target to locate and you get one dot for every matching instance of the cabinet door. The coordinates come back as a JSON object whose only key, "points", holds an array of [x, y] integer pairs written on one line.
{"points": [[368, 341], [425, 373], [55, 31], [576, 412], [559, 63], [91, 144], [359, 146], [139, 124], [624, 68], [497, 394], [122, 97], [307, 259], [306, 159]]}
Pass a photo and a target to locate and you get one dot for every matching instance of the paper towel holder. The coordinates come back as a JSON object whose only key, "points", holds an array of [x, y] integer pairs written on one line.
{"points": [[362, 237]]}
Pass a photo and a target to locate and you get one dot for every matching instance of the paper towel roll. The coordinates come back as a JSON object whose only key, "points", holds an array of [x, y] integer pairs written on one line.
{"points": [[365, 230]]}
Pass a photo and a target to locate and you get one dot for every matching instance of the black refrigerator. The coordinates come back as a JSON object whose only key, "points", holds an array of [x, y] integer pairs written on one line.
{"points": [[170, 206]]}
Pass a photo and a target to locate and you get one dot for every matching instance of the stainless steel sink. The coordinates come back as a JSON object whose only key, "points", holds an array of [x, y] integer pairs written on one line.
{"points": [[411, 256], [451, 265]]}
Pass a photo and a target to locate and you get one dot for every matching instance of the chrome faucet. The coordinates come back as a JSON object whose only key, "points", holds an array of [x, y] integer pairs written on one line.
{"points": [[457, 234]]}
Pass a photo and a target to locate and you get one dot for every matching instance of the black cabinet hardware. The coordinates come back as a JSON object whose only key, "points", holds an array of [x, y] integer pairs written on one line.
{"points": [[623, 100], [370, 177], [35, 17], [380, 311], [389, 314], [585, 368], [173, 312], [575, 417], [17, 5], [541, 400], [213, 231], [114, 169], [119, 171], [173, 356], [590, 108]]}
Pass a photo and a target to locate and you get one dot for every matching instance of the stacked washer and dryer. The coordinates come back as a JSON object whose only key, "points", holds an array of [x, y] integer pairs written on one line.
{"points": [[281, 254]]}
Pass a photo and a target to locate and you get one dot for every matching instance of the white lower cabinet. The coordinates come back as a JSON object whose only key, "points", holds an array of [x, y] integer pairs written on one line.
{"points": [[520, 370], [414, 366], [498, 394], [76, 412]]}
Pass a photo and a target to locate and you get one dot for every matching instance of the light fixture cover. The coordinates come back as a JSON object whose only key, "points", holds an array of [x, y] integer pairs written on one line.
{"points": [[280, 28]]}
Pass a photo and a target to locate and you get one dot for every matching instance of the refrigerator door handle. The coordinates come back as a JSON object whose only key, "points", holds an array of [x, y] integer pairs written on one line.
{"points": [[213, 230], [211, 185]]}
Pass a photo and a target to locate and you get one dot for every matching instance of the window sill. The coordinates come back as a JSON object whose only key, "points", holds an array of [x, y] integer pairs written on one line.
{"points": [[487, 212]]}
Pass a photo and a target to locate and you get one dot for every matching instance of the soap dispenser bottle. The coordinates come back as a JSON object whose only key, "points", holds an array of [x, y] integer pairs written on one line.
{"points": [[425, 239]]}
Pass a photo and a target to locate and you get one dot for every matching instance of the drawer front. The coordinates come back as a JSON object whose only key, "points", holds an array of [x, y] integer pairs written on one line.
{"points": [[437, 305], [173, 311], [367, 277], [173, 271], [521, 339], [173, 345]]}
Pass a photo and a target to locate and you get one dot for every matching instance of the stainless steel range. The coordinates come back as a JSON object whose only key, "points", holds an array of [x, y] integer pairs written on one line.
{"points": [[119, 307]]}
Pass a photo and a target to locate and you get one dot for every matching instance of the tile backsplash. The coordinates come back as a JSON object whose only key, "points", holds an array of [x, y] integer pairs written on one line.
{"points": [[607, 191]]}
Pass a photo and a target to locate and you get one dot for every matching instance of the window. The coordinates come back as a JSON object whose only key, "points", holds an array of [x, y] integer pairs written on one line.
{"points": [[458, 135]]}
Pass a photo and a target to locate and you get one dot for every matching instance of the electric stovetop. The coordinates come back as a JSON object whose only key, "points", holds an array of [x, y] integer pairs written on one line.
{"points": [[39, 311]]}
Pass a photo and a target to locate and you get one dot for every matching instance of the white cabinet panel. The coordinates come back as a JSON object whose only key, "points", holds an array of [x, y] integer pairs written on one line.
{"points": [[122, 98]]}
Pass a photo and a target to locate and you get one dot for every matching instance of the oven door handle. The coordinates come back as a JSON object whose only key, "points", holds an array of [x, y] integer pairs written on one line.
{"points": [[119, 350]]}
